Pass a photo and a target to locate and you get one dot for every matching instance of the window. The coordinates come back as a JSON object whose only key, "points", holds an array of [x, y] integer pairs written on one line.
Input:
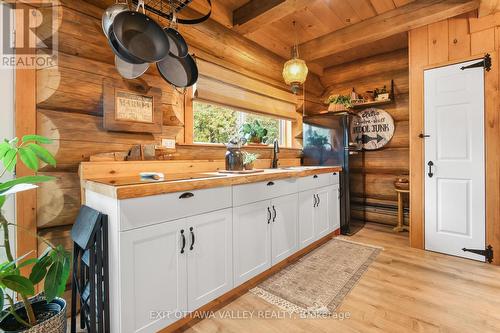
{"points": [[219, 124]]}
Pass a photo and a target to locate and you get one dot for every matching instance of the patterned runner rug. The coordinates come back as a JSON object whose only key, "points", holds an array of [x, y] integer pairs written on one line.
{"points": [[318, 282]]}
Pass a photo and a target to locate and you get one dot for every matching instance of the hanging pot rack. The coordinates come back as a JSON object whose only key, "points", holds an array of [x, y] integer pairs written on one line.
{"points": [[163, 8]]}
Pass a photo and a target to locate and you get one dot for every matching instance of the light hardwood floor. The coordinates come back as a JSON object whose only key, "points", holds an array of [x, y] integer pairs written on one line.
{"points": [[404, 290]]}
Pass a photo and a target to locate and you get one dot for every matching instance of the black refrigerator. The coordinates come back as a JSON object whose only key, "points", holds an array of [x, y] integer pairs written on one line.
{"points": [[326, 141]]}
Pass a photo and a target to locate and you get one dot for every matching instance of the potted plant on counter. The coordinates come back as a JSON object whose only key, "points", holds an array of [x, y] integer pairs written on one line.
{"points": [[249, 159], [337, 103], [254, 132], [45, 312]]}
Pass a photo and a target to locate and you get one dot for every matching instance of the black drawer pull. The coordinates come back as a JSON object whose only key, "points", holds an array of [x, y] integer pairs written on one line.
{"points": [[269, 215], [334, 173], [315, 176], [183, 241], [192, 239], [274, 217], [186, 195], [270, 184]]}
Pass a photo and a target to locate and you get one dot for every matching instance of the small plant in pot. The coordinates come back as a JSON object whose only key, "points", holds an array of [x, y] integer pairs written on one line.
{"points": [[45, 312], [338, 102], [249, 159], [254, 132]]}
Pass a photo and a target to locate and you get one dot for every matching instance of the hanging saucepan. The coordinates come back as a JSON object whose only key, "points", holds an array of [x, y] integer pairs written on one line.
{"points": [[128, 70], [140, 36], [110, 13], [178, 46], [180, 72]]}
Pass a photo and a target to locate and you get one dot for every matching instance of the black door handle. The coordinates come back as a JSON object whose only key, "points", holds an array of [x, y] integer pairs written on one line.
{"points": [[315, 200], [183, 241], [268, 215], [186, 195], [319, 201], [430, 164], [274, 217], [422, 135], [192, 239]]}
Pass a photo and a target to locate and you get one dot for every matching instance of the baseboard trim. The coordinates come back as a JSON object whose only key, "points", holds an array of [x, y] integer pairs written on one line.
{"points": [[233, 294]]}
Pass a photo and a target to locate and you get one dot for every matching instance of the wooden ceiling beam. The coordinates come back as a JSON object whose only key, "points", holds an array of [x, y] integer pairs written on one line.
{"points": [[257, 13], [402, 19], [487, 7]]}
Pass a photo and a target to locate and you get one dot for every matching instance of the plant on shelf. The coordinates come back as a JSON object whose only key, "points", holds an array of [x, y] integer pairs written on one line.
{"points": [[254, 132], [341, 101], [53, 265], [249, 159]]}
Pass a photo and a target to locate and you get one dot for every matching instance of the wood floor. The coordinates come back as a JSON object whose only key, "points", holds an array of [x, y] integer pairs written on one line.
{"points": [[404, 290]]}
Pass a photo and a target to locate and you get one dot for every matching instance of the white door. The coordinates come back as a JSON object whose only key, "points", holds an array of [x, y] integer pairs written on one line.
{"points": [[210, 257], [307, 200], [454, 160], [335, 207], [322, 212], [284, 230], [153, 276], [251, 240]]}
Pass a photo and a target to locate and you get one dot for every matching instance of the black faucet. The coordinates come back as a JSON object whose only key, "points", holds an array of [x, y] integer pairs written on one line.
{"points": [[276, 150]]}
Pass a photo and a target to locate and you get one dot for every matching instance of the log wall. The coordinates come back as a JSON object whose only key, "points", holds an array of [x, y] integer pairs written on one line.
{"points": [[373, 173]]}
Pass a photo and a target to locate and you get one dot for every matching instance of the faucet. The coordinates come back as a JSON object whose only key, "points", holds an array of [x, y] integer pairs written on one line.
{"points": [[276, 150]]}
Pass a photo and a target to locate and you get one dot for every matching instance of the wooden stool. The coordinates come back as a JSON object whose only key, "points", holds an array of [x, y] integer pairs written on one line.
{"points": [[401, 227]]}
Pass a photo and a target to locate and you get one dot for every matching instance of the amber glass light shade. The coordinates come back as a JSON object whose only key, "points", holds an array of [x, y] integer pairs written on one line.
{"points": [[295, 73]]}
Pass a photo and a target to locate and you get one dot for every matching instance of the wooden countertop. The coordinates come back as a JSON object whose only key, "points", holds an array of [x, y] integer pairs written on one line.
{"points": [[125, 188]]}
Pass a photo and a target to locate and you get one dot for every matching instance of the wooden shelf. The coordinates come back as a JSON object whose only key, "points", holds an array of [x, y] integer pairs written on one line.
{"points": [[299, 136], [372, 103]]}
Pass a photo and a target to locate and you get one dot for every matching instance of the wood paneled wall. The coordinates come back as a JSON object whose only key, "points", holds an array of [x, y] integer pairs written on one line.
{"points": [[69, 107], [461, 38], [373, 172]]}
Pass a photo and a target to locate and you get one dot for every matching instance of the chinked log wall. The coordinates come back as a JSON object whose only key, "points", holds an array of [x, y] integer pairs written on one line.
{"points": [[373, 172], [69, 109]]}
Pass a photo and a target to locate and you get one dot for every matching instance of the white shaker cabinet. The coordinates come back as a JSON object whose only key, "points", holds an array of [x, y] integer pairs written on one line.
{"points": [[153, 276], [284, 227]]}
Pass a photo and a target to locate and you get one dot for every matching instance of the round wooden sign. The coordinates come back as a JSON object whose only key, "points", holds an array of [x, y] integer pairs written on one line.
{"points": [[372, 128]]}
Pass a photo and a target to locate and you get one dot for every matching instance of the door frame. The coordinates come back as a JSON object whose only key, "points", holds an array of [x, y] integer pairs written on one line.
{"points": [[492, 156]]}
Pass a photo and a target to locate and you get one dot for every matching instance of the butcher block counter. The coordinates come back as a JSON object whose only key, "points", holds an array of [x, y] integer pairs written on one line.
{"points": [[135, 187]]}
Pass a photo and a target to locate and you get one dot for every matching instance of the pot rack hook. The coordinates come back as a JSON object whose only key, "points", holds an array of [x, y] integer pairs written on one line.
{"points": [[140, 4]]}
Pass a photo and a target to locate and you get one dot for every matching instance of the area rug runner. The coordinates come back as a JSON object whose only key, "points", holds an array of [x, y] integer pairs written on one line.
{"points": [[318, 282]]}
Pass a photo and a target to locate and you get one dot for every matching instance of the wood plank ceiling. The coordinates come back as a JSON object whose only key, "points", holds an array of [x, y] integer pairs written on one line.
{"points": [[314, 18]]}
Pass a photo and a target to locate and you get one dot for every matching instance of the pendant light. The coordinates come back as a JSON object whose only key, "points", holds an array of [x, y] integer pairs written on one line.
{"points": [[295, 70]]}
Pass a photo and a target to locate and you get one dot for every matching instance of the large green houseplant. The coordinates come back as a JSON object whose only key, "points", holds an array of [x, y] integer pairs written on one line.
{"points": [[52, 267], [254, 132]]}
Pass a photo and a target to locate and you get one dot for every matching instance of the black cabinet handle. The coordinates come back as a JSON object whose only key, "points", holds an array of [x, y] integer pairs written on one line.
{"points": [[268, 215], [319, 201], [315, 176], [334, 173], [422, 135], [183, 241], [274, 217], [430, 164], [186, 195], [270, 184], [315, 200], [192, 239]]}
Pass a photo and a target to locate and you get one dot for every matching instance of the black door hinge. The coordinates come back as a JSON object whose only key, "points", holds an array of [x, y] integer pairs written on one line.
{"points": [[487, 253], [486, 63]]}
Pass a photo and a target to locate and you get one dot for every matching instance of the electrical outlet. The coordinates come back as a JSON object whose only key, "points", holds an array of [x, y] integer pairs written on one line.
{"points": [[168, 143]]}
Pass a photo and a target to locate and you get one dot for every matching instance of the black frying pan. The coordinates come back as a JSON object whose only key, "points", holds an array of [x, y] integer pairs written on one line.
{"points": [[140, 37], [119, 51], [178, 46], [180, 72]]}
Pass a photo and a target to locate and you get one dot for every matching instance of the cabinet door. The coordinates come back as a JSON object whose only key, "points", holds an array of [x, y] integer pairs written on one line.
{"points": [[209, 257], [284, 230], [335, 207], [322, 212], [306, 218], [153, 277], [251, 240]]}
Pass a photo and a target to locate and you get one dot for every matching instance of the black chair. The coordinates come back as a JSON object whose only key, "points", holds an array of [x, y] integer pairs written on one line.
{"points": [[90, 277]]}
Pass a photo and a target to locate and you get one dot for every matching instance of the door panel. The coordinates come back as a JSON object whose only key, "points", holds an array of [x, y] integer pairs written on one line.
{"points": [[322, 213], [306, 218], [251, 240], [335, 207], [284, 230], [153, 276], [209, 261], [454, 183]]}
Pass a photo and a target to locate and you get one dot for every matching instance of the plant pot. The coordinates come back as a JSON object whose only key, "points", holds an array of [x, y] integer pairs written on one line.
{"points": [[53, 317], [336, 107], [249, 166]]}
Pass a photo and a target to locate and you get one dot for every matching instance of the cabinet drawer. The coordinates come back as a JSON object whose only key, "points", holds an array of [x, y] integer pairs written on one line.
{"points": [[335, 178], [139, 212], [249, 193], [314, 181]]}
